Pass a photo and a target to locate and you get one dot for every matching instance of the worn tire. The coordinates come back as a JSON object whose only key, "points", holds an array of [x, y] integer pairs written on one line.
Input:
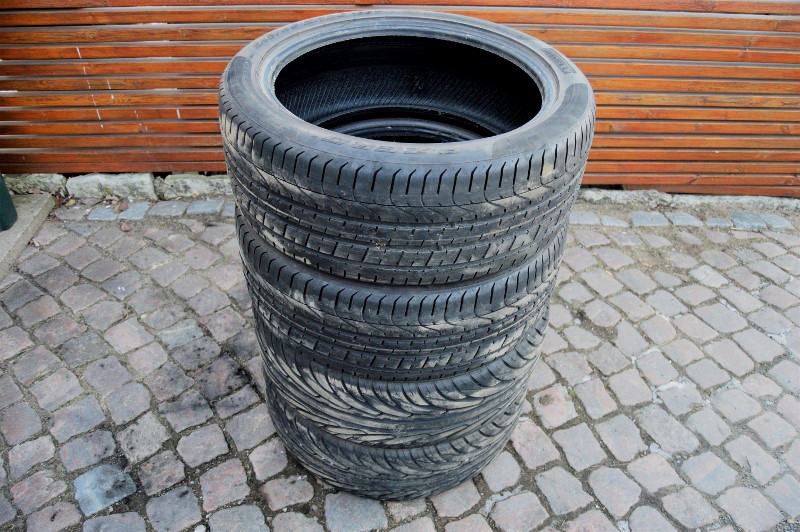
{"points": [[403, 181], [365, 209]]}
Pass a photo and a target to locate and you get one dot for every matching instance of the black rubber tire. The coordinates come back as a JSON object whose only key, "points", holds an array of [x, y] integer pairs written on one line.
{"points": [[385, 472], [371, 210], [400, 289], [388, 333], [396, 414]]}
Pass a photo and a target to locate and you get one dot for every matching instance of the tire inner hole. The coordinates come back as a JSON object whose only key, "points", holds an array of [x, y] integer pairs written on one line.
{"points": [[408, 89]]}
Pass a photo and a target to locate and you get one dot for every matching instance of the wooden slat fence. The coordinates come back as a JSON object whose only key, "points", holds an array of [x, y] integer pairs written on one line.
{"points": [[693, 95]]}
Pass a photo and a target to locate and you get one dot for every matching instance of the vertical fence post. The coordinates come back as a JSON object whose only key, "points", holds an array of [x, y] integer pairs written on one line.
{"points": [[8, 214]]}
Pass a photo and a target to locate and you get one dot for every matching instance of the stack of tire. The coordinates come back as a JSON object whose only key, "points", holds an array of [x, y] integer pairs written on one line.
{"points": [[399, 295]]}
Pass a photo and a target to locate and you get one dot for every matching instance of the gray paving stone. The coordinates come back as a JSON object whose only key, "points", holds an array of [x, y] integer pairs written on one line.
{"points": [[709, 473], [629, 388], [648, 219], [773, 430], [87, 450], [345, 512], [101, 487], [735, 405], [747, 220], [522, 511], [143, 438], [245, 518], [571, 366], [648, 519], [595, 399], [614, 490], [295, 522], [186, 411], [175, 510], [562, 491], [680, 397], [752, 459], [554, 407], [583, 218], [58, 516], [580, 447], [749, 509], [670, 435], [654, 473], [690, 508], [76, 418], [656, 368], [709, 425], [681, 218], [622, 437]]}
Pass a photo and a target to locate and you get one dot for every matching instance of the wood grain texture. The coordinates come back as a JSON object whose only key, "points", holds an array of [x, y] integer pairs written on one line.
{"points": [[693, 96]]}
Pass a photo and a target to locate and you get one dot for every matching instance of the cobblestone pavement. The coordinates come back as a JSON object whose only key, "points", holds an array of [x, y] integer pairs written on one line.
{"points": [[667, 397]]}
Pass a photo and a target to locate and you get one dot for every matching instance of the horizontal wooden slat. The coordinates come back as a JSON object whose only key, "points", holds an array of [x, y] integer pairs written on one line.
{"points": [[775, 7], [282, 14], [735, 190]]}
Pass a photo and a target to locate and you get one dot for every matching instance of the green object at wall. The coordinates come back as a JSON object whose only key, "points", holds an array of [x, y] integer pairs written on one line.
{"points": [[8, 214]]}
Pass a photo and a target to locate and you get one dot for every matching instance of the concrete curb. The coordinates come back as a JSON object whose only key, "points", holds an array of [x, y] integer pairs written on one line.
{"points": [[32, 210], [653, 198]]}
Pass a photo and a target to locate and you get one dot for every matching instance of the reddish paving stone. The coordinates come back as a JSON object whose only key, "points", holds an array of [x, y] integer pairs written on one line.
{"points": [[36, 490], [708, 473], [502, 472], [608, 359], [160, 472], [629, 388], [283, 492], [221, 378], [786, 493], [35, 364], [572, 366], [554, 407], [250, 428], [456, 501], [9, 391], [129, 522], [19, 294], [24, 456], [202, 445], [471, 523], [102, 269], [53, 518], [224, 324], [127, 402], [18, 423], [709, 425], [84, 348], [647, 518], [402, 510], [224, 484], [127, 336], [690, 508], [147, 359], [58, 330], [752, 459], [533, 445], [81, 296], [593, 521], [236, 402], [519, 512], [106, 375], [168, 381], [580, 446], [38, 310]]}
